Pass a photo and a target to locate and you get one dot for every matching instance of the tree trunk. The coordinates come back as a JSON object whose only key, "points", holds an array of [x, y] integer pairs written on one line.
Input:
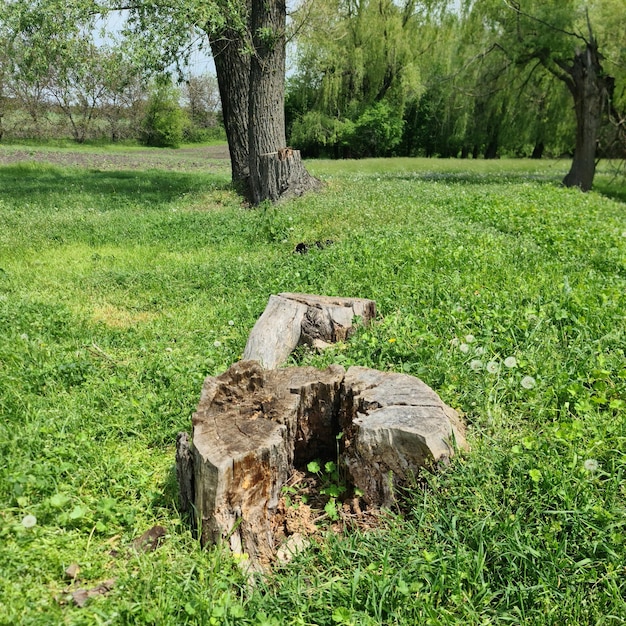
{"points": [[589, 89], [538, 150], [232, 66], [275, 170], [252, 91], [491, 151]]}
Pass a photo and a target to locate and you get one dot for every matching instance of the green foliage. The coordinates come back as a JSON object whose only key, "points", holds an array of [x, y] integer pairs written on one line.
{"points": [[121, 290], [357, 70], [164, 121], [376, 132]]}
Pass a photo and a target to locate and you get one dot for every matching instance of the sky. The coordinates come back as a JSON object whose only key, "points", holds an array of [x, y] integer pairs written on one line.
{"points": [[201, 61]]}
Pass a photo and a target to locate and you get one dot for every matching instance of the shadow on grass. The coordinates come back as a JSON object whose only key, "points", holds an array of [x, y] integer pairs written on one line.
{"points": [[32, 180], [475, 178], [614, 189]]}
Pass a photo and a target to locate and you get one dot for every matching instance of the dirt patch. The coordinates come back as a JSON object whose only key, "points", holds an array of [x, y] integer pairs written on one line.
{"points": [[204, 158], [302, 514]]}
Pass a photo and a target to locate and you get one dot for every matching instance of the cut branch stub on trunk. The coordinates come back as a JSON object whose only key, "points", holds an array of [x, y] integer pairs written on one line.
{"points": [[282, 175], [293, 318]]}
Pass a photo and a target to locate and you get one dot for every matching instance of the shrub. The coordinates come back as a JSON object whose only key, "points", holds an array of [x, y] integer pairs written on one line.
{"points": [[377, 131], [164, 121]]}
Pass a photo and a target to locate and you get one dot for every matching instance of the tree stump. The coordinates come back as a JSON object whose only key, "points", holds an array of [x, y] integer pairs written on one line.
{"points": [[282, 175], [393, 425], [254, 426], [293, 318], [248, 428]]}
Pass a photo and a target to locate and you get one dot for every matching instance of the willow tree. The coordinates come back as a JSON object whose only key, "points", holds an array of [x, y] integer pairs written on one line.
{"points": [[573, 41], [358, 66], [247, 39]]}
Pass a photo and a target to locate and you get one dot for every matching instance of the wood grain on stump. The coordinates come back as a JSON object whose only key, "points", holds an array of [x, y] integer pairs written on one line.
{"points": [[253, 426]]}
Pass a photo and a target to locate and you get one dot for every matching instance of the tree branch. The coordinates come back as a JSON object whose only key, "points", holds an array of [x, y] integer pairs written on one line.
{"points": [[514, 6]]}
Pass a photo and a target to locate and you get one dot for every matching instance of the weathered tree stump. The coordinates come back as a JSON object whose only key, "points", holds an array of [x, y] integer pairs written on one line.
{"points": [[253, 426], [293, 318], [248, 428], [282, 175]]}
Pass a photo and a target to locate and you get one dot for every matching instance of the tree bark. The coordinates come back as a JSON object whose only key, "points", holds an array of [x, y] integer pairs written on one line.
{"points": [[275, 170], [589, 88], [232, 66], [252, 91]]}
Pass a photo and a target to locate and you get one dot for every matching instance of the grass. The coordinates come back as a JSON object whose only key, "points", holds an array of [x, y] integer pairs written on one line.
{"points": [[117, 293]]}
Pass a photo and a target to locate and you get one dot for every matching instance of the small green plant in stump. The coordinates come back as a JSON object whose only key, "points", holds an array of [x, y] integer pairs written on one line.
{"points": [[332, 485]]}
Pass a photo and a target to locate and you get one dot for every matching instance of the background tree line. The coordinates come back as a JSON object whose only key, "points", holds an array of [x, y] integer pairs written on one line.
{"points": [[371, 77], [86, 91], [476, 78]]}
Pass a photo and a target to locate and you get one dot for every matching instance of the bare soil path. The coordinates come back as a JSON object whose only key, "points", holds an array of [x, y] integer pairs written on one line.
{"points": [[205, 158]]}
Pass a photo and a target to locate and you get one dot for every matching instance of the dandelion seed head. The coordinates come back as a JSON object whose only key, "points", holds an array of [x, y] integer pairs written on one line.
{"points": [[24, 337], [28, 521], [510, 361], [217, 343], [479, 351], [469, 338], [493, 367], [528, 382], [454, 342], [464, 348], [476, 364], [591, 465], [231, 322]]}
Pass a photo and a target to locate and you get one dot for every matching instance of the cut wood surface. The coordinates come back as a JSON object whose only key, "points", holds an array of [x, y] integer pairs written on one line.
{"points": [[293, 318], [394, 424]]}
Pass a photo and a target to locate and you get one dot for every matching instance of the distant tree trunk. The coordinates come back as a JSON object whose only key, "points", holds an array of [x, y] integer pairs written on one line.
{"points": [[275, 170], [232, 66], [538, 150], [491, 151], [590, 89]]}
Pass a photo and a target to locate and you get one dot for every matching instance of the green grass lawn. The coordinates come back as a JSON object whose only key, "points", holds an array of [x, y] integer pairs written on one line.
{"points": [[121, 290]]}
